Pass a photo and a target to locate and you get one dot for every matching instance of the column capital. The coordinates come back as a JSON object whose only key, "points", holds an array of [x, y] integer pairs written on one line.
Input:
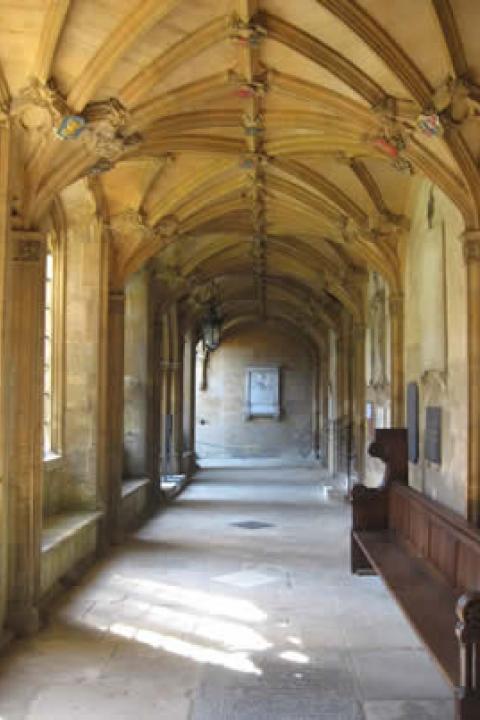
{"points": [[28, 246], [4, 117], [396, 303], [471, 245]]}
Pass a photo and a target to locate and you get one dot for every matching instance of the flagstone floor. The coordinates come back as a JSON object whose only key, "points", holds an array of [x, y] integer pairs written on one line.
{"points": [[234, 603]]}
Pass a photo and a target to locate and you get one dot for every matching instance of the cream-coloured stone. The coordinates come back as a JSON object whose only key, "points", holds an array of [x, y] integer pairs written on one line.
{"points": [[428, 324]]}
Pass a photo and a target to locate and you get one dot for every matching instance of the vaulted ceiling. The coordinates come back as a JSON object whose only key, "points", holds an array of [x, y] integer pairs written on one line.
{"points": [[270, 146]]}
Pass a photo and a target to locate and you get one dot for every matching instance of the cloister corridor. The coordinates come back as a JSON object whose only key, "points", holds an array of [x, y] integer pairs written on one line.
{"points": [[196, 618]]}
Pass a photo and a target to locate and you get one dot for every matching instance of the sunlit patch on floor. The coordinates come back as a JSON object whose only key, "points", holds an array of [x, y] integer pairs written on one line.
{"points": [[247, 579], [295, 657], [238, 662], [206, 602]]}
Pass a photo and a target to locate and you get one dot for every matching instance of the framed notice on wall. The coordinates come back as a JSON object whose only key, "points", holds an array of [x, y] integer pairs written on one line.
{"points": [[433, 435], [412, 422], [262, 393]]}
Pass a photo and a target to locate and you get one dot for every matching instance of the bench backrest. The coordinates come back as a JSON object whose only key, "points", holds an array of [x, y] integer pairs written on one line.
{"points": [[442, 537]]}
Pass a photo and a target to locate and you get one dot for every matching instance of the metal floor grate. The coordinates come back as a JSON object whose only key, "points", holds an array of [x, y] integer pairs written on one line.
{"points": [[252, 525]]}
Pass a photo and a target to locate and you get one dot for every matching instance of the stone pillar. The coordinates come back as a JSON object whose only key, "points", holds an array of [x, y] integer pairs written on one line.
{"points": [[471, 246], [324, 371], [332, 403], [153, 434], [164, 394], [115, 405], [349, 401], [188, 464], [316, 407], [4, 276], [176, 390], [359, 332], [25, 427], [397, 319], [340, 409]]}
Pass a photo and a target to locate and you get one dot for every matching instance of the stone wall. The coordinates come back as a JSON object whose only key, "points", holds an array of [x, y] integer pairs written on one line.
{"points": [[225, 432], [436, 340], [378, 368], [71, 482], [136, 376]]}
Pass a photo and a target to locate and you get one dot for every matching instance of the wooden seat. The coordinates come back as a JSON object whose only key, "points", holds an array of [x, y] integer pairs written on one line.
{"points": [[427, 601], [429, 559]]}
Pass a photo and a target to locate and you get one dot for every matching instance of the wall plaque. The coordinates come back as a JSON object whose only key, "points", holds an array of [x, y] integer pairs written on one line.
{"points": [[412, 422], [262, 392], [433, 435]]}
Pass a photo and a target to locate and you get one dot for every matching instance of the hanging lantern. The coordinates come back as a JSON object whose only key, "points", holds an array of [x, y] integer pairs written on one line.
{"points": [[211, 328]]}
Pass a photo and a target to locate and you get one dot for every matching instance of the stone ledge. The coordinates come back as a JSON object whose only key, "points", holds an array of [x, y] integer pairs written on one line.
{"points": [[52, 461], [62, 527], [131, 486], [136, 503], [69, 540]]}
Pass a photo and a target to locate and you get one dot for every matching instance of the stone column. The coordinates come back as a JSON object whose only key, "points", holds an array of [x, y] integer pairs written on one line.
{"points": [[359, 332], [176, 390], [397, 319], [115, 405], [324, 371], [188, 464], [153, 434], [25, 427], [316, 407], [349, 401], [4, 276], [340, 409], [164, 394], [471, 246]]}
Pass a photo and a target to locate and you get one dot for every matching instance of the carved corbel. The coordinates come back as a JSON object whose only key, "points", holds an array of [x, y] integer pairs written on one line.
{"points": [[386, 225], [348, 229], [40, 108], [106, 135], [456, 100], [167, 227]]}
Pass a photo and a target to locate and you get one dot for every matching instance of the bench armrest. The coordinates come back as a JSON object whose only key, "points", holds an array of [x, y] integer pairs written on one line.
{"points": [[369, 508], [468, 634]]}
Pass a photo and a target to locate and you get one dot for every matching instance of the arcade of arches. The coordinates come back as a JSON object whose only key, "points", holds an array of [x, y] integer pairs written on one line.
{"points": [[308, 169]]}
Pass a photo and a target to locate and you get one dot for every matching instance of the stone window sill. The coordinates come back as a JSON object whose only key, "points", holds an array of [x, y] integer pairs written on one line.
{"points": [[131, 486], [59, 528], [52, 461]]}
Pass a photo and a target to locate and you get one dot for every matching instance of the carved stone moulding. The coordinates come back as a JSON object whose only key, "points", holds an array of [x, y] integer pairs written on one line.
{"points": [[39, 106], [28, 247], [471, 246]]}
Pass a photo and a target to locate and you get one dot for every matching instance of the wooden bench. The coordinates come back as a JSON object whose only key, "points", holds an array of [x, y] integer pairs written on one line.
{"points": [[429, 559]]}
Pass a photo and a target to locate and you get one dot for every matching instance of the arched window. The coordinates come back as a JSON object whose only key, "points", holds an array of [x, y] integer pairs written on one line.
{"points": [[53, 349], [48, 343]]}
